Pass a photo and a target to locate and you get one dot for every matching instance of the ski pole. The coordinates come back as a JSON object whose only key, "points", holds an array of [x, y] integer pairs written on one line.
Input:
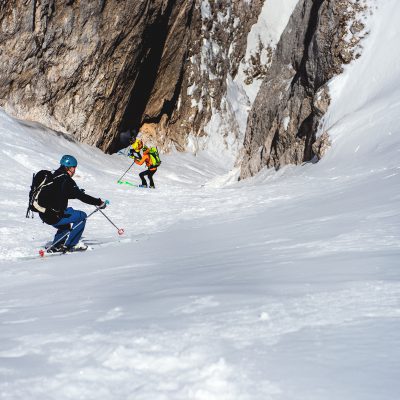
{"points": [[120, 230], [41, 252], [126, 172]]}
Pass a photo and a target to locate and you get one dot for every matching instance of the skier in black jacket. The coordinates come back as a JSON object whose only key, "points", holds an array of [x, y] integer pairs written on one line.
{"points": [[60, 215]]}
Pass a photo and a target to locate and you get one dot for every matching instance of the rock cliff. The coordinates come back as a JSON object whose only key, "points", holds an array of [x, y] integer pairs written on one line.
{"points": [[320, 37], [178, 71], [92, 68]]}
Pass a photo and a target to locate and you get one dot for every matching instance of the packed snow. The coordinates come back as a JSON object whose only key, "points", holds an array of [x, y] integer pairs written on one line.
{"points": [[284, 286]]}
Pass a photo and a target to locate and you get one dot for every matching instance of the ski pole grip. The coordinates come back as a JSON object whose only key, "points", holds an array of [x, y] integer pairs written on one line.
{"points": [[107, 202]]}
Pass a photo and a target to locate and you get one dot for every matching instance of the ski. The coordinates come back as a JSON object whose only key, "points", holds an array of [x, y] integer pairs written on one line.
{"points": [[133, 185], [44, 254], [38, 256], [126, 183]]}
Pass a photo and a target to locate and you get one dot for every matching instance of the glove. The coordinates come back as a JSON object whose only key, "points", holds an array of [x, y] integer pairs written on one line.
{"points": [[103, 204]]}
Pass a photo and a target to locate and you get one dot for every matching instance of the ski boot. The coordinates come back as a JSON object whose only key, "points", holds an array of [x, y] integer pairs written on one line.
{"points": [[78, 247]]}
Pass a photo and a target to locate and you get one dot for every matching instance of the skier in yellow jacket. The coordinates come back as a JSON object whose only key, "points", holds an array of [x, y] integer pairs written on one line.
{"points": [[151, 169]]}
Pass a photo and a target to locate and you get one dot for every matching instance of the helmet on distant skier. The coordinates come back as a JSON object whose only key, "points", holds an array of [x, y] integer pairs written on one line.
{"points": [[137, 145], [68, 161]]}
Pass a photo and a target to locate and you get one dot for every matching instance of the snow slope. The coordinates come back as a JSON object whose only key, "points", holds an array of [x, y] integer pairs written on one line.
{"points": [[283, 287]]}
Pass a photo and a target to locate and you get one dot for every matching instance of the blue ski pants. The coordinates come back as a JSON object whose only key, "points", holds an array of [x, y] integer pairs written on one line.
{"points": [[73, 217]]}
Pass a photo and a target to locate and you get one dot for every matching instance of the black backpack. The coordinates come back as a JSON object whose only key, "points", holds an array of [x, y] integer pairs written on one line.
{"points": [[41, 193]]}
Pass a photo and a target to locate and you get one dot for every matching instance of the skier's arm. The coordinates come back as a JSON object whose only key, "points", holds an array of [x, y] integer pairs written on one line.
{"points": [[134, 154], [141, 161], [89, 199], [75, 193]]}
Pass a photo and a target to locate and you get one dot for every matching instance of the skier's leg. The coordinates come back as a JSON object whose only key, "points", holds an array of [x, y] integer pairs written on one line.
{"points": [[78, 220], [62, 230], [142, 175], [73, 217], [151, 173]]}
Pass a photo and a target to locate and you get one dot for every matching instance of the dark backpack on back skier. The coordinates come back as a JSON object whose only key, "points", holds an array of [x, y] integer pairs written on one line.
{"points": [[41, 194]]}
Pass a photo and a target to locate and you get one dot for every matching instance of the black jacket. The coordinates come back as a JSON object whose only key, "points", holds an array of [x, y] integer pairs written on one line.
{"points": [[63, 189]]}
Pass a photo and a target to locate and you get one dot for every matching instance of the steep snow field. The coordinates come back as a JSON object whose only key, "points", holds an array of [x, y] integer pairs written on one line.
{"points": [[283, 287]]}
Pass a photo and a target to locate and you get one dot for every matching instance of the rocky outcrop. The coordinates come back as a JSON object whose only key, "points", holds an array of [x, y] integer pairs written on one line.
{"points": [[94, 68], [321, 36], [218, 39], [321, 145]]}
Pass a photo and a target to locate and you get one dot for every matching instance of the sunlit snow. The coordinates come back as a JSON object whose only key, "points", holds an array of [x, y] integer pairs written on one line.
{"points": [[283, 287]]}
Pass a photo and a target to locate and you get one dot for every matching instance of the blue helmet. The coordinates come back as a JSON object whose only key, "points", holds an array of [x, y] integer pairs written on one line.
{"points": [[68, 161]]}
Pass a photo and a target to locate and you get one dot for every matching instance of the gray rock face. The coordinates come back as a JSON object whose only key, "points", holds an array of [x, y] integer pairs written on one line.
{"points": [[218, 35], [283, 122], [92, 68]]}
